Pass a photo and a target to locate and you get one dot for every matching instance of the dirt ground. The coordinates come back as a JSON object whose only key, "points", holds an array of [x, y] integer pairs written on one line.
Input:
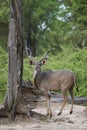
{"points": [[76, 121]]}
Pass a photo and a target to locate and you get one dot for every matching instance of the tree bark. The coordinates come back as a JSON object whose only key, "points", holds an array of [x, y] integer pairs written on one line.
{"points": [[15, 57], [29, 98]]}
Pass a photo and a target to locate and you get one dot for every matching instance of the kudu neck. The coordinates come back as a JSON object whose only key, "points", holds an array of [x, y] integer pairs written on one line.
{"points": [[37, 78], [37, 74]]}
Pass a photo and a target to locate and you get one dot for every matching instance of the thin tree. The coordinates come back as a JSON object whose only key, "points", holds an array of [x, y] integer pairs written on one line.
{"points": [[15, 57]]}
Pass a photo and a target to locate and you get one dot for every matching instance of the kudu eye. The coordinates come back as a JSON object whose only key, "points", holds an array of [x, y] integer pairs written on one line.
{"points": [[30, 62], [44, 62]]}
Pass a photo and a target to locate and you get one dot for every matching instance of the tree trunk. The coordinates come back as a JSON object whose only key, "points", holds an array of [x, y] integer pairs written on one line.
{"points": [[15, 60]]}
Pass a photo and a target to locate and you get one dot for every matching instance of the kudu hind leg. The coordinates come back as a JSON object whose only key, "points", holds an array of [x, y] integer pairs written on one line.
{"points": [[72, 99], [64, 102]]}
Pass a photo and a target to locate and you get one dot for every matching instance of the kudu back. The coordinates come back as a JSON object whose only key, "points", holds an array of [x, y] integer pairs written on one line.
{"points": [[48, 80]]}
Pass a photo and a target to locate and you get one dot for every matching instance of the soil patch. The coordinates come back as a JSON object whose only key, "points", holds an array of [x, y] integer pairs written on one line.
{"points": [[76, 121]]}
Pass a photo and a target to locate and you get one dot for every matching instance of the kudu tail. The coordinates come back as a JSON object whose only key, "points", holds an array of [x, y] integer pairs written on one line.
{"points": [[76, 87], [75, 83]]}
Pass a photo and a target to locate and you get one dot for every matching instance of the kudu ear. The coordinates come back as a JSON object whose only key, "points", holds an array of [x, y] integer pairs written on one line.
{"points": [[31, 62], [43, 61]]}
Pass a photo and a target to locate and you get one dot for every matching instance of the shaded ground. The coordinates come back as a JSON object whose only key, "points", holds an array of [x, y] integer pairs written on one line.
{"points": [[76, 121]]}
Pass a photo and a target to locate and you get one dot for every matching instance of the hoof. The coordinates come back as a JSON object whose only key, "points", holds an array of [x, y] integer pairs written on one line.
{"points": [[59, 114], [71, 112], [49, 116]]}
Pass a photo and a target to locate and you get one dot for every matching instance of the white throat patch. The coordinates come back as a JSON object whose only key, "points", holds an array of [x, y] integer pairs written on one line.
{"points": [[35, 72]]}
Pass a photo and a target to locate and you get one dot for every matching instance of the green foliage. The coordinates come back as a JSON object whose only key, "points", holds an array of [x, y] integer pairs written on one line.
{"points": [[27, 70], [3, 73], [77, 21], [51, 23], [3, 35], [79, 37], [4, 11], [39, 21]]}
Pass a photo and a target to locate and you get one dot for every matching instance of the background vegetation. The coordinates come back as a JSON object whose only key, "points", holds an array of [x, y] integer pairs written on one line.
{"points": [[61, 24]]}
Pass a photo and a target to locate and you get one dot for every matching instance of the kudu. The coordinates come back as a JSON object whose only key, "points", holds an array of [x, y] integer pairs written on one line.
{"points": [[48, 80]]}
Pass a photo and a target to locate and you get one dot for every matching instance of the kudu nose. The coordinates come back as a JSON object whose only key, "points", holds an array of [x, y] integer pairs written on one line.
{"points": [[37, 67]]}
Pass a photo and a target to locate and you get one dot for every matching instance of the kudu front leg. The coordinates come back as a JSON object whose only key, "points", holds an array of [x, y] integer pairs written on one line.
{"points": [[49, 112]]}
